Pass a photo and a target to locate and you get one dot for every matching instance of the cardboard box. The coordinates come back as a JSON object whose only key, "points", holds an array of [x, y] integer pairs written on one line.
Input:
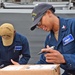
{"points": [[31, 70]]}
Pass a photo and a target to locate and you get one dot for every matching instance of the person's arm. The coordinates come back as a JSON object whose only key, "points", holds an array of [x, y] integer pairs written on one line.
{"points": [[70, 62], [42, 59], [25, 52], [70, 58]]}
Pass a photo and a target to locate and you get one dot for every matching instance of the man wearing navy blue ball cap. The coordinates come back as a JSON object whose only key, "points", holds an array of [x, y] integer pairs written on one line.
{"points": [[38, 12], [61, 36]]}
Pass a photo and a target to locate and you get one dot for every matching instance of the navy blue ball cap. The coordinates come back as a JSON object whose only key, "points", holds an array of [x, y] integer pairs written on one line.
{"points": [[38, 13]]}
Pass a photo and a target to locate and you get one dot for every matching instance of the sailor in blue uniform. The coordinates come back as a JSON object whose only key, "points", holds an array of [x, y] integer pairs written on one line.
{"points": [[14, 47], [61, 36]]}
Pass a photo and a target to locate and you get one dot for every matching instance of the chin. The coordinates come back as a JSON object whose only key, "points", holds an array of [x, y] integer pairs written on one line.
{"points": [[47, 30]]}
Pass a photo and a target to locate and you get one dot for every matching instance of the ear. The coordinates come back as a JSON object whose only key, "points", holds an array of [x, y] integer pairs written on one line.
{"points": [[49, 12], [14, 31]]}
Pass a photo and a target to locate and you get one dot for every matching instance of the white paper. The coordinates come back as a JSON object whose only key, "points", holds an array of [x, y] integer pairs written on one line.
{"points": [[41, 67], [12, 68]]}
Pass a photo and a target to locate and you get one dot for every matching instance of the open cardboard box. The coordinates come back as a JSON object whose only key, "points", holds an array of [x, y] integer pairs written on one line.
{"points": [[51, 69]]}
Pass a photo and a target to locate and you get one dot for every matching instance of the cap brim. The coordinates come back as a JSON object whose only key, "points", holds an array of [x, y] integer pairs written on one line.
{"points": [[7, 42], [36, 22]]}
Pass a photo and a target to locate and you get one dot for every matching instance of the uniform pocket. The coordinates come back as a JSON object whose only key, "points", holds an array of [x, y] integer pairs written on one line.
{"points": [[69, 48]]}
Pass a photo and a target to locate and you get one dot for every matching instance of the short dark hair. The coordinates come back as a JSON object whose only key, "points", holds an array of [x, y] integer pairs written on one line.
{"points": [[52, 10]]}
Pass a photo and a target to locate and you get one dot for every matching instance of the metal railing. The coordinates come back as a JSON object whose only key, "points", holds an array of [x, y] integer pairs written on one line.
{"points": [[24, 4], [29, 1]]}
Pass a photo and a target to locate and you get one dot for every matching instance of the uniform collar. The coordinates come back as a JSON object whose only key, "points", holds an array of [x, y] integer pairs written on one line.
{"points": [[63, 27], [17, 37]]}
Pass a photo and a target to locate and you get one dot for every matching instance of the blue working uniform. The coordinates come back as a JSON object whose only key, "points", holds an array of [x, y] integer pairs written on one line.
{"points": [[65, 45], [19, 47]]}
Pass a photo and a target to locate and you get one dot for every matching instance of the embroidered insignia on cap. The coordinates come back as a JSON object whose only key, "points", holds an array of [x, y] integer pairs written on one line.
{"points": [[33, 16]]}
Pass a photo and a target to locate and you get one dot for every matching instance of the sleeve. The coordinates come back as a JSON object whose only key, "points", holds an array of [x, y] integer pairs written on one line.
{"points": [[70, 58], [70, 62], [42, 57], [25, 52]]}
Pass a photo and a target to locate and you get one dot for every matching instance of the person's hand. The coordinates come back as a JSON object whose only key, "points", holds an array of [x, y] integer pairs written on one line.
{"points": [[53, 56], [14, 63]]}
